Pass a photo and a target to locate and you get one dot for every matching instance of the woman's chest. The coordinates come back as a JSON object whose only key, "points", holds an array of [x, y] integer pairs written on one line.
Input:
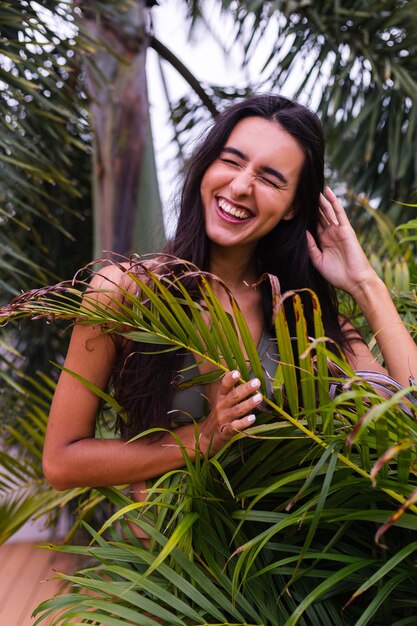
{"points": [[194, 401]]}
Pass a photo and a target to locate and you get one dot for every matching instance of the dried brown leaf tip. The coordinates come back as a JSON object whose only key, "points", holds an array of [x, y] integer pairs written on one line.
{"points": [[412, 499], [31, 303], [388, 455]]}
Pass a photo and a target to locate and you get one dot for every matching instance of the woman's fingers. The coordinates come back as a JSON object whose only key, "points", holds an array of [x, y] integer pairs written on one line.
{"points": [[230, 428], [233, 393], [327, 213], [243, 407], [232, 411], [334, 208], [228, 382], [313, 250], [237, 402]]}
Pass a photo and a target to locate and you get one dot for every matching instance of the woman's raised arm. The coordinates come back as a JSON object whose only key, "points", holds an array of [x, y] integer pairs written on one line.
{"points": [[344, 264]]}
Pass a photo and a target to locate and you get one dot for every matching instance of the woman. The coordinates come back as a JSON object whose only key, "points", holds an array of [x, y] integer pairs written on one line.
{"points": [[251, 204]]}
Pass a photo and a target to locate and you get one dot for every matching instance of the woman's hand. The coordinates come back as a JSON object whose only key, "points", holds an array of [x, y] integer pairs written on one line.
{"points": [[232, 412], [341, 260]]}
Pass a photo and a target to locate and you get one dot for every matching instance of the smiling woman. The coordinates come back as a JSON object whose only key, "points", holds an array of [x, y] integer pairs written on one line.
{"points": [[252, 184], [251, 205]]}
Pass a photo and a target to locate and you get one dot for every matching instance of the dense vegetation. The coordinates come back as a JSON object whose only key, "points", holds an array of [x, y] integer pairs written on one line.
{"points": [[290, 535]]}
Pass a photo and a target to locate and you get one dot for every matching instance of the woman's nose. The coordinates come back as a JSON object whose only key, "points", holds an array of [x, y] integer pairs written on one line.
{"points": [[242, 182]]}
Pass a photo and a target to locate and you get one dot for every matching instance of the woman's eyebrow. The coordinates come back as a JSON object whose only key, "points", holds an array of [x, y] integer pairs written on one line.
{"points": [[274, 172], [265, 168]]}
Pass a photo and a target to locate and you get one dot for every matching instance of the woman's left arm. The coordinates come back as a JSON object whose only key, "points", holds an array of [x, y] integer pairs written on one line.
{"points": [[343, 263]]}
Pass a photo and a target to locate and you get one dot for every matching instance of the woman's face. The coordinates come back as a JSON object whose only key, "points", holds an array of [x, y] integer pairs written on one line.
{"points": [[251, 186]]}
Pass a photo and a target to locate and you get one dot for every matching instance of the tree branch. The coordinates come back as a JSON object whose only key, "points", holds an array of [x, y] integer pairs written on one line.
{"points": [[169, 56]]}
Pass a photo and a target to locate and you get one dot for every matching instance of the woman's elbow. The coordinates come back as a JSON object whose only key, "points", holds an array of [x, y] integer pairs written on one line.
{"points": [[55, 471]]}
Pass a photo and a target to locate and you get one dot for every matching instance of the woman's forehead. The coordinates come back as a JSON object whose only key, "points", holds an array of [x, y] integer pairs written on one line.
{"points": [[260, 139]]}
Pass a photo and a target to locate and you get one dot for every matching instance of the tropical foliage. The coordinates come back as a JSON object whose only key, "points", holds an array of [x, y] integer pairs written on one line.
{"points": [[58, 61], [44, 138], [24, 493], [360, 68], [293, 522], [355, 63], [280, 525]]}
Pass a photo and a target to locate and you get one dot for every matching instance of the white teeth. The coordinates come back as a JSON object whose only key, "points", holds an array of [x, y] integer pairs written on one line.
{"points": [[231, 210]]}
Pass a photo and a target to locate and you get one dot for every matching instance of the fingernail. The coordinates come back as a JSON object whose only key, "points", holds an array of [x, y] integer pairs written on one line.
{"points": [[235, 375], [251, 418], [255, 383], [257, 398]]}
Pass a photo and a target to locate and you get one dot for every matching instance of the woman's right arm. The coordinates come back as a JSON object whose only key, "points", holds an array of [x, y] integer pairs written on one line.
{"points": [[73, 457]]}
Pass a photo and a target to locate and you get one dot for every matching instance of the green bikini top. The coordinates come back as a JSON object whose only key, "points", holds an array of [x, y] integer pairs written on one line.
{"points": [[191, 404]]}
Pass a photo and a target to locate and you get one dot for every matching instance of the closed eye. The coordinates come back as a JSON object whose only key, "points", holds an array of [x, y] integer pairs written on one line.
{"points": [[273, 183], [230, 162]]}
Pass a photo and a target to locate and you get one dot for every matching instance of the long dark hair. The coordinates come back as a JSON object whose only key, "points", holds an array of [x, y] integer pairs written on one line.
{"points": [[142, 381]]}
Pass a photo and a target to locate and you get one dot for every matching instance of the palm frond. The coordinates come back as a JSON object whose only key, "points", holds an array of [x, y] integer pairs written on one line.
{"points": [[24, 493], [296, 499]]}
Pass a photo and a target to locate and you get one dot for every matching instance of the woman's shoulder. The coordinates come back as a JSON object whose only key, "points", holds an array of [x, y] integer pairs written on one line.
{"points": [[116, 278], [112, 277], [113, 286]]}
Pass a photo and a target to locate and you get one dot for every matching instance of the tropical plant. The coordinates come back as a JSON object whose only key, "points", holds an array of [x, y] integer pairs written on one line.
{"points": [[24, 493], [391, 252], [355, 63], [309, 517], [46, 139], [63, 62]]}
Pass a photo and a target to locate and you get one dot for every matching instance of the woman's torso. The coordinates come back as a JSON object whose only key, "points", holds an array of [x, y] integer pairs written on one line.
{"points": [[193, 403]]}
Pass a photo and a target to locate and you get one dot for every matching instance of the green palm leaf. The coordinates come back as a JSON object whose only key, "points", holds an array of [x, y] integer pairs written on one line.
{"points": [[285, 517]]}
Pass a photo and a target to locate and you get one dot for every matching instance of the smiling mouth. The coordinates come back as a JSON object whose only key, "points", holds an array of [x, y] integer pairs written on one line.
{"points": [[232, 211]]}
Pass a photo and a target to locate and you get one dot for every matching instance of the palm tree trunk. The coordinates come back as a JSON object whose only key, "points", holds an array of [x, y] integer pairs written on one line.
{"points": [[118, 103]]}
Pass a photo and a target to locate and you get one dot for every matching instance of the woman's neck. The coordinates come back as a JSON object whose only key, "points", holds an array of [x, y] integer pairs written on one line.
{"points": [[236, 269]]}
